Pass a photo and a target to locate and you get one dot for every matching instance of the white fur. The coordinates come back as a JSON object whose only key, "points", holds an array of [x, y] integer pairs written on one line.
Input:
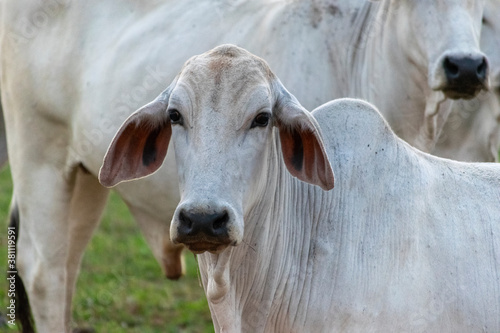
{"points": [[472, 132], [63, 104], [405, 242]]}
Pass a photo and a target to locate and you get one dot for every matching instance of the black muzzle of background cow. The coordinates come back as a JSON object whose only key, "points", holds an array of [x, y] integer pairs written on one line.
{"points": [[466, 76], [203, 231]]}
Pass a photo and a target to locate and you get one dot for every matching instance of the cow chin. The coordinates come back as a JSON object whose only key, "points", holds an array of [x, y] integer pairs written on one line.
{"points": [[201, 243], [462, 92], [201, 247]]}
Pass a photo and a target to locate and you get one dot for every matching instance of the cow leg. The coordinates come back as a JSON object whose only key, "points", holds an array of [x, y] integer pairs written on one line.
{"points": [[173, 260], [87, 204], [157, 234], [58, 212]]}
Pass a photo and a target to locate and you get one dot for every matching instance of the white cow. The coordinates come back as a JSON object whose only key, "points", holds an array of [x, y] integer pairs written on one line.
{"points": [[472, 132], [405, 242], [407, 67], [73, 71]]}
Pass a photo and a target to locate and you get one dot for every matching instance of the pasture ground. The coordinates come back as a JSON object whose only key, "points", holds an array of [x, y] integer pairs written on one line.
{"points": [[121, 287]]}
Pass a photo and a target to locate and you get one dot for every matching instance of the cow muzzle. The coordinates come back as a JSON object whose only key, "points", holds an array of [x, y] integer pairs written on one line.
{"points": [[203, 230], [466, 75]]}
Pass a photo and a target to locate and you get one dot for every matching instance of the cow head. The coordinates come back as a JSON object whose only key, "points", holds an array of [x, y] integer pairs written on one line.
{"points": [[220, 112], [443, 37]]}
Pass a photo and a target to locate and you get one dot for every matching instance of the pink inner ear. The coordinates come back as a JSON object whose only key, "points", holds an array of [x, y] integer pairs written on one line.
{"points": [[305, 157], [137, 150]]}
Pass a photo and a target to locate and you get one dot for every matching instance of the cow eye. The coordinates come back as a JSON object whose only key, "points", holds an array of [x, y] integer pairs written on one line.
{"points": [[261, 120], [175, 116]]}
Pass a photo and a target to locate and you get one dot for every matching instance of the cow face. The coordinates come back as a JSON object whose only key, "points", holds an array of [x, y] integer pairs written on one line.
{"points": [[443, 37], [220, 112]]}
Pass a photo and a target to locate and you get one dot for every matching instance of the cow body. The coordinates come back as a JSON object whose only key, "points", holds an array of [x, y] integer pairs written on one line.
{"points": [[405, 242], [409, 251], [116, 56]]}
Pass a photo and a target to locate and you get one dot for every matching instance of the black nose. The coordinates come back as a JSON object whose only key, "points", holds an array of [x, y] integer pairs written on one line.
{"points": [[466, 75], [208, 226]]}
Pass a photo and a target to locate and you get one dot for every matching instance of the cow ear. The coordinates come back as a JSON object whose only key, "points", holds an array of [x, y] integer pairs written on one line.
{"points": [[301, 141], [140, 145]]}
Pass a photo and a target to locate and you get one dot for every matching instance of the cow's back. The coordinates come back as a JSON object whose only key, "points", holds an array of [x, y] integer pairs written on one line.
{"points": [[413, 239], [88, 65]]}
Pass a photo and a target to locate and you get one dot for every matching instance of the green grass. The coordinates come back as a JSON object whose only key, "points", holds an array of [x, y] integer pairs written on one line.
{"points": [[121, 287]]}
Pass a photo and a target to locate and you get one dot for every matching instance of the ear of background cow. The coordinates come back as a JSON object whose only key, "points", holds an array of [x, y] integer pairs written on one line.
{"points": [[301, 142], [140, 145]]}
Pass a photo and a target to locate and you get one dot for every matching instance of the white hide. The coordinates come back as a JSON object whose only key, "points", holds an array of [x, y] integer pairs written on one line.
{"points": [[472, 132], [73, 71], [405, 242], [396, 63]]}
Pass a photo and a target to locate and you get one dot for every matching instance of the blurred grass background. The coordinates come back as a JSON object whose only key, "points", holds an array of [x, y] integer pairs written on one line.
{"points": [[121, 287]]}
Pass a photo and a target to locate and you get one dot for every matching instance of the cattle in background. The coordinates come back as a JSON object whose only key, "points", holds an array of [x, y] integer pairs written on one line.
{"points": [[405, 241], [472, 133], [64, 104], [415, 56]]}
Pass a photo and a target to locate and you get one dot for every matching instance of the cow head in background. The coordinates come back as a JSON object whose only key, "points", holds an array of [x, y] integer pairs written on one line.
{"points": [[444, 37], [421, 56], [472, 132], [220, 112]]}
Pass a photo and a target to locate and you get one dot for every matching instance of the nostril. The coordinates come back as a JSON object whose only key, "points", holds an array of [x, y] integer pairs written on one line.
{"points": [[185, 224], [202, 224], [220, 222], [466, 72], [185, 221], [450, 67], [482, 69]]}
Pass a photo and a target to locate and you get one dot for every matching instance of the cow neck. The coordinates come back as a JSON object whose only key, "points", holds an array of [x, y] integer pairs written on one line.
{"points": [[294, 231], [361, 33], [272, 260], [377, 52]]}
